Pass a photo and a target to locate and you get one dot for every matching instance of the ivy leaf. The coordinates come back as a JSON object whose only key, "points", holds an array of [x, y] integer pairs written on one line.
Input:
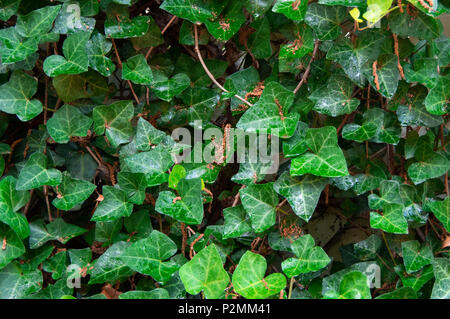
{"points": [[259, 41], [151, 38], [376, 9], [236, 222], [399, 293], [293, 9], [309, 257], [194, 10], [392, 220], [97, 49], [11, 201], [302, 194], [153, 164], [113, 206], [68, 122], [114, 121], [126, 27], [147, 136], [257, 8], [18, 281], [228, 23], [423, 71], [134, 184], [165, 88], [420, 26], [387, 74], [441, 288], [72, 192], [417, 280], [187, 207], [137, 70], [14, 246], [178, 173], [35, 174], [57, 230], [416, 257], [205, 273], [15, 96], [109, 266], [14, 47], [326, 158], [441, 209], [436, 101], [72, 87], [353, 285], [370, 125], [37, 22], [429, 164], [270, 113], [8, 8], [325, 20], [335, 98], [353, 57], [260, 201], [249, 281], [147, 256], [75, 60]]}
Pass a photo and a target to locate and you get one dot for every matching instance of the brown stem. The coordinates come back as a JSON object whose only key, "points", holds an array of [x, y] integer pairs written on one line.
{"points": [[199, 55], [308, 68]]}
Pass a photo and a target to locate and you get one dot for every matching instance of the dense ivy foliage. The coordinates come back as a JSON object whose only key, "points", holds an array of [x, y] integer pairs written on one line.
{"points": [[356, 92]]}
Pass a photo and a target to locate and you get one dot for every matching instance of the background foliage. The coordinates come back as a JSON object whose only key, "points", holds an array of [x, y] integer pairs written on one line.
{"points": [[90, 91]]}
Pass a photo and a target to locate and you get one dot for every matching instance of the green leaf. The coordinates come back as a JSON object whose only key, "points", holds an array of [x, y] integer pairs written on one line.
{"points": [[270, 113], [392, 220], [376, 9], [353, 57], [228, 22], [441, 209], [148, 136], [325, 159], [301, 193], [178, 172], [205, 273], [16, 96], [14, 246], [37, 22], [56, 264], [18, 281], [186, 206], [399, 293], [353, 285], [147, 256], [293, 9], [11, 201], [259, 41], [97, 49], [249, 281], [423, 71], [72, 192], [8, 8], [75, 60], [429, 164], [68, 122], [109, 267], [309, 257], [436, 101], [151, 38], [137, 70], [387, 74], [236, 222], [416, 257], [126, 27], [57, 230], [194, 10], [165, 88], [260, 201], [325, 20], [113, 206], [335, 98], [441, 288], [114, 121], [153, 164], [134, 184], [371, 123], [257, 8], [14, 47], [420, 26], [35, 174]]}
